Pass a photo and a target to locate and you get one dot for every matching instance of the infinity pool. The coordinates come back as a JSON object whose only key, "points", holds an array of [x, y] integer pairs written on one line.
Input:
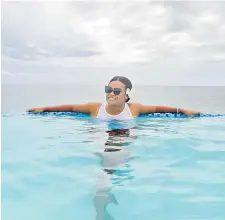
{"points": [[67, 168]]}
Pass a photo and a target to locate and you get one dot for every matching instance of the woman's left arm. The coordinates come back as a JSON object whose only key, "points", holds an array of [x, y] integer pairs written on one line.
{"points": [[166, 109]]}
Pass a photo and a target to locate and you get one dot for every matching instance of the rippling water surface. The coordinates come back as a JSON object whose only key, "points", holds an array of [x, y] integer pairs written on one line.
{"points": [[56, 168]]}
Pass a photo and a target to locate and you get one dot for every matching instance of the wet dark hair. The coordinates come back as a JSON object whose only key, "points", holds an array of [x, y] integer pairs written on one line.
{"points": [[123, 80]]}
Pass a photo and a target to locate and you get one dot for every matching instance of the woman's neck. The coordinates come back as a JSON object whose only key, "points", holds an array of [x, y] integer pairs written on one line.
{"points": [[114, 109]]}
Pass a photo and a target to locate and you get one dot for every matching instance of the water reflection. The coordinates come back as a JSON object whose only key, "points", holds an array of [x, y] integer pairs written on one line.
{"points": [[116, 170]]}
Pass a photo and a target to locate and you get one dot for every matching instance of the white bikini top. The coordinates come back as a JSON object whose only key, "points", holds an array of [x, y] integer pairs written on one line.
{"points": [[124, 115]]}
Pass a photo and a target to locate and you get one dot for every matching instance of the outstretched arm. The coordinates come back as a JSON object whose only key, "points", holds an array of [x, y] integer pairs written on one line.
{"points": [[165, 109], [85, 108]]}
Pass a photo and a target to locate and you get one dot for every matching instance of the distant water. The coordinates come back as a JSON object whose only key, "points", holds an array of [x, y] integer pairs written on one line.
{"points": [[17, 98]]}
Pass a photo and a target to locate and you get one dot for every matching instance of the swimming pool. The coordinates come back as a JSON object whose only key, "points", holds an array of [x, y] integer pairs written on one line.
{"points": [[72, 168]]}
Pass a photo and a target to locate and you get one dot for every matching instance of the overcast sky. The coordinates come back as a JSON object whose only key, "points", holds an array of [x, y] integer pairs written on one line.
{"points": [[172, 43]]}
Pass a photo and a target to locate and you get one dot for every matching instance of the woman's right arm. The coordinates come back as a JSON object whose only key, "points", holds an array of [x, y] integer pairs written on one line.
{"points": [[84, 108]]}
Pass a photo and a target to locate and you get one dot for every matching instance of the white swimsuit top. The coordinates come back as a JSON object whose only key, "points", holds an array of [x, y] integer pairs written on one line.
{"points": [[124, 115]]}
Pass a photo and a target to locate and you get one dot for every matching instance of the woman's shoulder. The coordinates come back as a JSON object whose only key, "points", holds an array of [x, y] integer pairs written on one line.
{"points": [[134, 105], [94, 104], [94, 107], [134, 108]]}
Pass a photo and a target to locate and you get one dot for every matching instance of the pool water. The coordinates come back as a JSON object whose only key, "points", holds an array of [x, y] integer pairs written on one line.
{"points": [[68, 168]]}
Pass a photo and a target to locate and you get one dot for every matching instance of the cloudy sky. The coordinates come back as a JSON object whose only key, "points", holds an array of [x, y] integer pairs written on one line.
{"points": [[170, 43]]}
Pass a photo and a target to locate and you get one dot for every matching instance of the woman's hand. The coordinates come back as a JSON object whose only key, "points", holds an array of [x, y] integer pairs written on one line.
{"points": [[36, 110], [189, 113]]}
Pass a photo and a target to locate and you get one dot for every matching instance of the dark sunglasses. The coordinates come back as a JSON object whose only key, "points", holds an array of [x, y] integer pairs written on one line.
{"points": [[109, 89]]}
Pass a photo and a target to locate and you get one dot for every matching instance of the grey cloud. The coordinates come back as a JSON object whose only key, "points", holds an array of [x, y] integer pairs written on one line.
{"points": [[26, 53], [6, 73], [29, 25], [179, 13], [96, 34], [139, 28]]}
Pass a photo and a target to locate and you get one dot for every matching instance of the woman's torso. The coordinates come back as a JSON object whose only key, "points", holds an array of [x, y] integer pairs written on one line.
{"points": [[126, 114]]}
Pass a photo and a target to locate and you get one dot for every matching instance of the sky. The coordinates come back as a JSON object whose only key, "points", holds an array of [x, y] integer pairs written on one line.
{"points": [[88, 42]]}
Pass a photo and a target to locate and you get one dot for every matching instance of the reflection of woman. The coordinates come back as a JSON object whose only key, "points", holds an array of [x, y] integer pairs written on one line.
{"points": [[116, 150], [116, 153]]}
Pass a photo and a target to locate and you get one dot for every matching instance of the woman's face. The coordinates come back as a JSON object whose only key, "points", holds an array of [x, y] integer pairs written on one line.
{"points": [[119, 95]]}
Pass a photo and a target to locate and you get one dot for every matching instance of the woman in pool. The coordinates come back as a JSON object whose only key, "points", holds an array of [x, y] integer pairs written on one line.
{"points": [[117, 106]]}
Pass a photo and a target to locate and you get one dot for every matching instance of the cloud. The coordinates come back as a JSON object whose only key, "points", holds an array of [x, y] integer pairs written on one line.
{"points": [[69, 36], [6, 73]]}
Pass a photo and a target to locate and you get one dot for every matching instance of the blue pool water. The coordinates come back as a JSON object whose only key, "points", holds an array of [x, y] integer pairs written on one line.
{"points": [[56, 168]]}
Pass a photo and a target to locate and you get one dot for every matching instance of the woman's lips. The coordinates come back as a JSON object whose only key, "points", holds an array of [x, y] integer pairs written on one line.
{"points": [[111, 98]]}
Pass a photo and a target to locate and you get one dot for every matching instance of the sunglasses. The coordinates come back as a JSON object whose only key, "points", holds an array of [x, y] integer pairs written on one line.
{"points": [[109, 89]]}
